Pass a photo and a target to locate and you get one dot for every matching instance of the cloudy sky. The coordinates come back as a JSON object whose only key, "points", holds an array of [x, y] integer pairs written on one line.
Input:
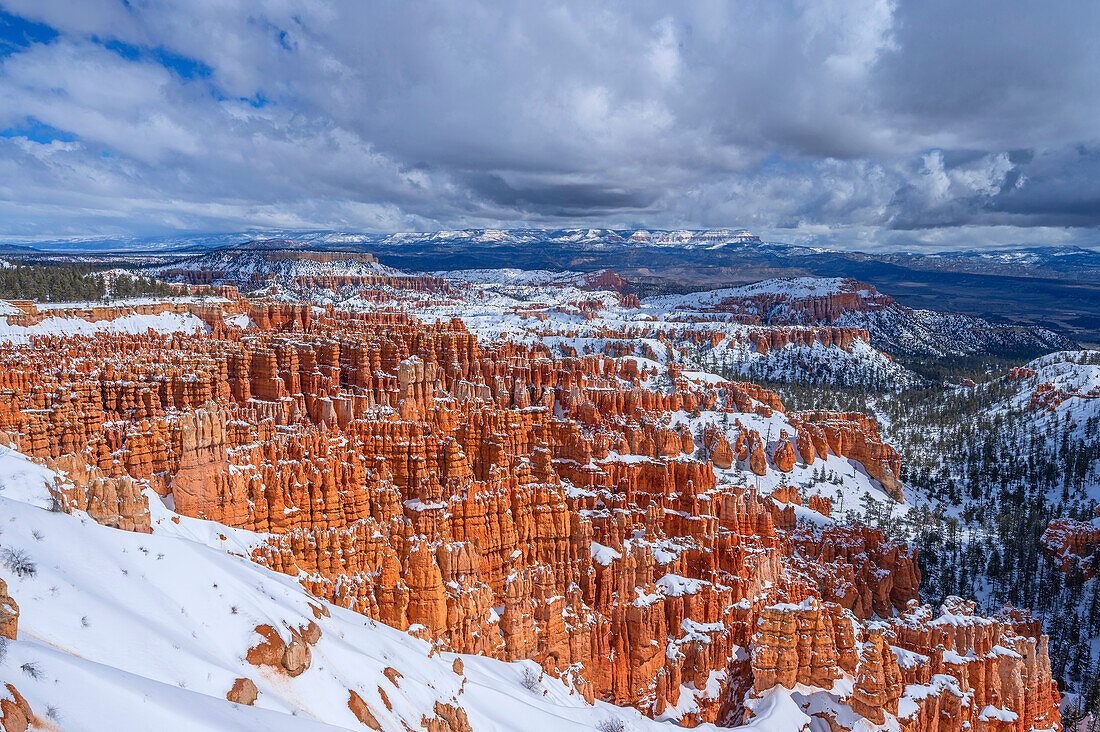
{"points": [[858, 123]]}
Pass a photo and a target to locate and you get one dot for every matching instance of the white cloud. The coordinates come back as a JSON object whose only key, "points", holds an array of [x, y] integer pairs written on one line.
{"points": [[798, 116]]}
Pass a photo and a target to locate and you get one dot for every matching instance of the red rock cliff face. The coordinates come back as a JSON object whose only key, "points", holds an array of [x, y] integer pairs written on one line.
{"points": [[807, 308], [854, 435], [521, 506]]}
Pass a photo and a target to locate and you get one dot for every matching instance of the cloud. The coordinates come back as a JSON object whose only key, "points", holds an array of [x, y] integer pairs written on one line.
{"points": [[870, 121]]}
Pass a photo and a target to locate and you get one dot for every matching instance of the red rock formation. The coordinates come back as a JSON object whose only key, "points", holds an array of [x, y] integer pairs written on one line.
{"points": [[9, 613], [243, 691], [502, 500], [784, 456], [1072, 544], [854, 435], [15, 711], [785, 308], [361, 711]]}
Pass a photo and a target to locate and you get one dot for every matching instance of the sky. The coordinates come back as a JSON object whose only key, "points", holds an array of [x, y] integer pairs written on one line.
{"points": [[862, 124]]}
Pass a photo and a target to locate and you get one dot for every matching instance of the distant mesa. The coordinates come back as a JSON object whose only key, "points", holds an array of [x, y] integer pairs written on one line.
{"points": [[17, 249]]}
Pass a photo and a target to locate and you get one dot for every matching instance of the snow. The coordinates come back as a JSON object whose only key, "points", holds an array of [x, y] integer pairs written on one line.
{"points": [[134, 323], [991, 713], [243, 267], [544, 307], [673, 585], [775, 711], [604, 555], [130, 302], [165, 627], [1070, 374]]}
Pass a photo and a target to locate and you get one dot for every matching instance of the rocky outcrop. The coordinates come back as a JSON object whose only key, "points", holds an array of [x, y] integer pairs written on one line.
{"points": [[9, 613], [212, 314], [361, 711], [1072, 545], [15, 712], [782, 308], [933, 671], [243, 691], [292, 658], [115, 501], [853, 435], [446, 718]]}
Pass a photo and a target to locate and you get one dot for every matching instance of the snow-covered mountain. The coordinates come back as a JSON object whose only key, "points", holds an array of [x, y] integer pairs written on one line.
{"points": [[592, 237], [1003, 259]]}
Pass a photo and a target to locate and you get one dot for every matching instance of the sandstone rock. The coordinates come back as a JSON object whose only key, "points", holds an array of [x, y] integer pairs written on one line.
{"points": [[243, 692], [268, 652], [296, 657], [758, 460], [784, 456], [15, 712], [361, 711], [447, 718], [9, 613]]}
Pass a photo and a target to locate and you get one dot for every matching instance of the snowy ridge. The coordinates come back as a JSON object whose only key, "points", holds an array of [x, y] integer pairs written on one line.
{"points": [[135, 323], [246, 265], [893, 328], [498, 304], [901, 331], [784, 288]]}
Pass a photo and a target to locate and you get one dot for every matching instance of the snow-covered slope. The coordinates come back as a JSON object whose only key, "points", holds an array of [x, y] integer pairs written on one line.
{"points": [[122, 630], [166, 322], [902, 331], [1059, 387], [785, 291], [511, 277]]}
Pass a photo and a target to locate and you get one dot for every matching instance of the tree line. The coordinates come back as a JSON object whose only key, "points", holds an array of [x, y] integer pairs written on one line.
{"points": [[72, 282]]}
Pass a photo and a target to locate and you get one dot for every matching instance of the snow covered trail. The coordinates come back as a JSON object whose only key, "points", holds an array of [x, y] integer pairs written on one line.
{"points": [[125, 631]]}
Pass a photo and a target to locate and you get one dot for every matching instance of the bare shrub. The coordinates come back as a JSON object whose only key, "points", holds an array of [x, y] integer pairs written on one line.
{"points": [[530, 679], [19, 562], [611, 724]]}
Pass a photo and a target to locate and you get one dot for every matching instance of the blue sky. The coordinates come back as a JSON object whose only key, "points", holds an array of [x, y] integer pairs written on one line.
{"points": [[854, 123]]}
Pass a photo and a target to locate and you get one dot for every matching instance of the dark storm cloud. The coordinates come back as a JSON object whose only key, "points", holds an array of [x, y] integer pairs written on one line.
{"points": [[567, 199], [870, 122]]}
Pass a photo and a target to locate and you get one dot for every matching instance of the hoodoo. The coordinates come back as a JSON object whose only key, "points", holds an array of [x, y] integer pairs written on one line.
{"points": [[507, 501]]}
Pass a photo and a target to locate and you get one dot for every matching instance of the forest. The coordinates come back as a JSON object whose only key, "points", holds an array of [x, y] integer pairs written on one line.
{"points": [[985, 479], [72, 282]]}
